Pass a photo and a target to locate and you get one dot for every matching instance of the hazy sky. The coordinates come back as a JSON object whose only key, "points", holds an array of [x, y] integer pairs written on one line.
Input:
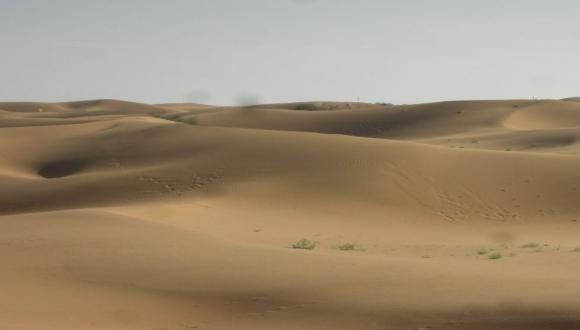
{"points": [[228, 51]]}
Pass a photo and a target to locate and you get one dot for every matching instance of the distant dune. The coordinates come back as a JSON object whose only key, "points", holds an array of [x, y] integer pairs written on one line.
{"points": [[572, 99], [449, 215]]}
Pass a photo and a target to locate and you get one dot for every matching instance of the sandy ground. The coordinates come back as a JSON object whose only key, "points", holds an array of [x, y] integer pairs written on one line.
{"points": [[454, 215]]}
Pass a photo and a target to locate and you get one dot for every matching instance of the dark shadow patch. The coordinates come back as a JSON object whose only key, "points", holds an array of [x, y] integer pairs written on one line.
{"points": [[61, 168]]}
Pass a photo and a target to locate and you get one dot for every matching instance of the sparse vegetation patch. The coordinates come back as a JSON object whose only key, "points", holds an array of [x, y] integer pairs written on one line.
{"points": [[306, 106], [304, 244], [530, 245], [347, 247], [189, 120]]}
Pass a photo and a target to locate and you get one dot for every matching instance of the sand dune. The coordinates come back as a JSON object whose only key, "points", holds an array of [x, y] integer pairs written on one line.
{"points": [[572, 99], [120, 215]]}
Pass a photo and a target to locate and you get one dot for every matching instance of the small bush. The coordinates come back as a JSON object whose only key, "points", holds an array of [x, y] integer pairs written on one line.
{"points": [[306, 106], [495, 256], [190, 120], [304, 244], [576, 249], [347, 247], [530, 245]]}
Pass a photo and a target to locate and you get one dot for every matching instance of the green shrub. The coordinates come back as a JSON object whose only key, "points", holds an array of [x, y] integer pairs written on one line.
{"points": [[495, 255], [347, 247], [306, 106], [530, 245], [189, 120], [304, 244]]}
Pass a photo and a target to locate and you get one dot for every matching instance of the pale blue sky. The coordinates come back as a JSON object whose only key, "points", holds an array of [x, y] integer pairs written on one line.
{"points": [[227, 51]]}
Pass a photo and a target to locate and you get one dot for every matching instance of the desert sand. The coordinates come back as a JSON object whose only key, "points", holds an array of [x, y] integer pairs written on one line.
{"points": [[449, 215]]}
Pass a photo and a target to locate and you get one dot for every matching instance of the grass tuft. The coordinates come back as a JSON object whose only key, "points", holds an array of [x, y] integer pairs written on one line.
{"points": [[186, 120], [304, 244], [530, 245], [495, 256], [189, 120], [306, 106], [347, 247]]}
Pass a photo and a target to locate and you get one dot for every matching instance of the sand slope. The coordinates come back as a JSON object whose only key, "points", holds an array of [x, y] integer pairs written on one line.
{"points": [[115, 215]]}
